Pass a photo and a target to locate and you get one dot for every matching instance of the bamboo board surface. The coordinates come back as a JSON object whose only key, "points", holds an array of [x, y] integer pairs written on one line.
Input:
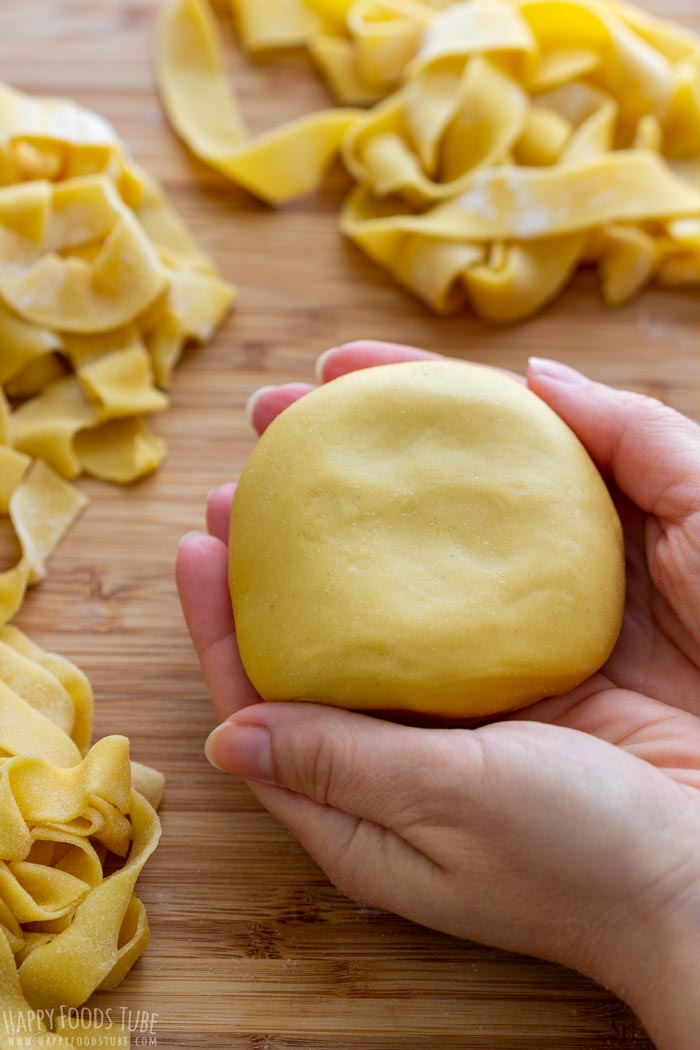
{"points": [[251, 947]]}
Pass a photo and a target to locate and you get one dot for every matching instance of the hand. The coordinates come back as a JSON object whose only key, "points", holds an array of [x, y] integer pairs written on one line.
{"points": [[569, 830]]}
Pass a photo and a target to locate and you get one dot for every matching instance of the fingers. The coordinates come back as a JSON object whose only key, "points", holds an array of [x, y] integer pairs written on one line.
{"points": [[647, 728], [202, 578], [365, 861], [366, 353], [651, 452], [364, 766], [219, 511], [266, 403]]}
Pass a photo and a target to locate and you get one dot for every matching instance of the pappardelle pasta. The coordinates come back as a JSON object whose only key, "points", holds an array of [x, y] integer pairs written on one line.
{"points": [[502, 143]]}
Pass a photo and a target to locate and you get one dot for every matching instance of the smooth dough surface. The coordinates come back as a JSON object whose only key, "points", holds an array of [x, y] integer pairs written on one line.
{"points": [[426, 537]]}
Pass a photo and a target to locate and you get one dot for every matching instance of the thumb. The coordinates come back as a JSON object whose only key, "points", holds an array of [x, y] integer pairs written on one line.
{"points": [[350, 788], [650, 451], [362, 765]]}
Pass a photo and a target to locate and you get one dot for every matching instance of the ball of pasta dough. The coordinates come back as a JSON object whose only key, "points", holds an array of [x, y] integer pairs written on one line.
{"points": [[425, 537]]}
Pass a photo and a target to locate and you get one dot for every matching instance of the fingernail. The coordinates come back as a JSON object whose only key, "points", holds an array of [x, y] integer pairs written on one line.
{"points": [[321, 362], [189, 536], [219, 488], [543, 366], [253, 400], [242, 750]]}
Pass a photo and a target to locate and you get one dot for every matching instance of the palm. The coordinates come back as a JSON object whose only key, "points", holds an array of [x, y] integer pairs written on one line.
{"points": [[644, 698]]}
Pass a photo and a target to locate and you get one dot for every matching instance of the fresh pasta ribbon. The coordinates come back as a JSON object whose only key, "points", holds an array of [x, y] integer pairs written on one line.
{"points": [[17, 1016], [67, 927], [281, 165], [50, 691], [42, 508], [504, 143], [65, 680]]}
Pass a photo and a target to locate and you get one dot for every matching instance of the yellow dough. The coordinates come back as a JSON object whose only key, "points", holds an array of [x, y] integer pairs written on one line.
{"points": [[427, 537], [504, 142]]}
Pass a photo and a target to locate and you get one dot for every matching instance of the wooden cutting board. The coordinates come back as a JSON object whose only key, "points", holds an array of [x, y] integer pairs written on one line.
{"points": [[251, 947]]}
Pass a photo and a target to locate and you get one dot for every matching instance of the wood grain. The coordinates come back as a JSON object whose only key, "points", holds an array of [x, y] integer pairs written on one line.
{"points": [[252, 948]]}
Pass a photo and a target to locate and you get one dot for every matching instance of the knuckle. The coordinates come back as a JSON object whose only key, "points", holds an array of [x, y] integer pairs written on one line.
{"points": [[347, 871], [316, 766], [321, 770]]}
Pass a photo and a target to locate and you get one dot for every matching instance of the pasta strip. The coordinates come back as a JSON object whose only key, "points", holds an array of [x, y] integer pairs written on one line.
{"points": [[525, 204], [42, 508], [38, 687], [68, 676], [71, 293], [279, 166]]}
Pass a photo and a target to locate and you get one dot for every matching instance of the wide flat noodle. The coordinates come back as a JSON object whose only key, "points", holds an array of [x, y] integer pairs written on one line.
{"points": [[507, 143], [279, 166], [42, 508], [17, 1019], [70, 680], [66, 927]]}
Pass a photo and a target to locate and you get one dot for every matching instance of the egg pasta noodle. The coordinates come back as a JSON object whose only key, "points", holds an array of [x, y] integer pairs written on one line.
{"points": [[495, 145]]}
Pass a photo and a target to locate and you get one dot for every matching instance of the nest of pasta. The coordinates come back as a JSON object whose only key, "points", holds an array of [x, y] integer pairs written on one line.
{"points": [[78, 825], [503, 143]]}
